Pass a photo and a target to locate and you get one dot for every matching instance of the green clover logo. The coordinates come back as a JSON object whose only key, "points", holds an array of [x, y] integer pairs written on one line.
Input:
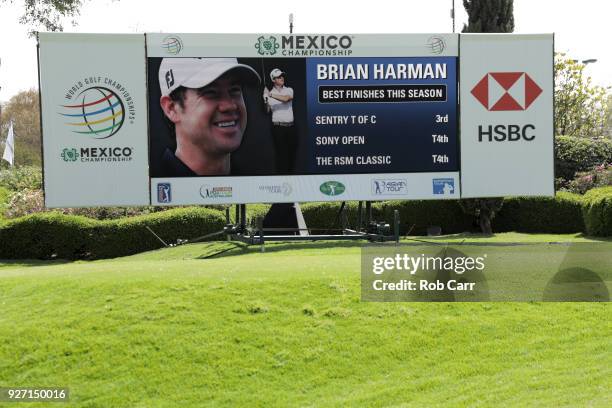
{"points": [[70, 154], [266, 46]]}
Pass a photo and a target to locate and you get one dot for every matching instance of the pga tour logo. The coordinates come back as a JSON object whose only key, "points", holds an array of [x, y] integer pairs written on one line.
{"points": [[389, 186], [164, 193], [443, 186]]}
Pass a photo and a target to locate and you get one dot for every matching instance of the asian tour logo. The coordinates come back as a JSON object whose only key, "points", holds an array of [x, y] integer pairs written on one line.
{"points": [[506, 91], [389, 187], [100, 113], [267, 46], [172, 44]]}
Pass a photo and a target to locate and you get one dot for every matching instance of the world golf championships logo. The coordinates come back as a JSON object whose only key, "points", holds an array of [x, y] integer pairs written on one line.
{"points": [[436, 45], [172, 44], [99, 113]]}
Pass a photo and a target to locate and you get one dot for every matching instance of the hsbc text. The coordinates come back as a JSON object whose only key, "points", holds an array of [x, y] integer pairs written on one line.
{"points": [[510, 133]]}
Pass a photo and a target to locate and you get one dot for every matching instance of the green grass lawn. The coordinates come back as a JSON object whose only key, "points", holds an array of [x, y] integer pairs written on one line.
{"points": [[185, 327]]}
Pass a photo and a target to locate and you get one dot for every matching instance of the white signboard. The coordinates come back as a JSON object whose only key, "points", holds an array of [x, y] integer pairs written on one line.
{"points": [[507, 134], [241, 118], [365, 117], [94, 119], [290, 189]]}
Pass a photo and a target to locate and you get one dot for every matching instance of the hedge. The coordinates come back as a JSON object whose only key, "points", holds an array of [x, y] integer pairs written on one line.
{"points": [[562, 214], [55, 235], [597, 211], [559, 215], [324, 216], [45, 236], [574, 154], [416, 216]]}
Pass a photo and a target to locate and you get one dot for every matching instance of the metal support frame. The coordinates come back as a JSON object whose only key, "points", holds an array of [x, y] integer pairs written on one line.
{"points": [[237, 231], [371, 231]]}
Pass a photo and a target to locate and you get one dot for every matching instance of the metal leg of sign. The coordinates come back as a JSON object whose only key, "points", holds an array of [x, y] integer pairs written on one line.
{"points": [[242, 217], [368, 212], [300, 220], [237, 217], [228, 224], [396, 226], [359, 211], [261, 235]]}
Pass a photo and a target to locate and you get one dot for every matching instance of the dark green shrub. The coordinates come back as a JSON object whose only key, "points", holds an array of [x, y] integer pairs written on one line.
{"points": [[46, 236], [422, 214], [574, 154], [127, 236], [561, 214], [255, 212], [597, 211], [323, 216], [446, 214], [55, 235]]}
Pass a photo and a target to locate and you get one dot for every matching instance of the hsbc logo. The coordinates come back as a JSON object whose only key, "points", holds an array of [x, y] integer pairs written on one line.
{"points": [[506, 91]]}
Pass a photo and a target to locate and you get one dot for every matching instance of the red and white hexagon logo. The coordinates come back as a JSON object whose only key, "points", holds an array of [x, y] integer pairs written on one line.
{"points": [[506, 91]]}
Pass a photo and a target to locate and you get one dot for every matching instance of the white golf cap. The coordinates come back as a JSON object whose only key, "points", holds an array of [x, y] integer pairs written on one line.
{"points": [[199, 72], [275, 73]]}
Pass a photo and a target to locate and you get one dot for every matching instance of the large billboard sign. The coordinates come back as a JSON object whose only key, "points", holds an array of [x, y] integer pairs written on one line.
{"points": [[94, 120], [507, 115], [242, 118]]}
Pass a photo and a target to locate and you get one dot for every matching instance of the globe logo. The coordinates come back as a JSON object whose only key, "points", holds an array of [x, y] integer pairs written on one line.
{"points": [[99, 113], [173, 45], [436, 45]]}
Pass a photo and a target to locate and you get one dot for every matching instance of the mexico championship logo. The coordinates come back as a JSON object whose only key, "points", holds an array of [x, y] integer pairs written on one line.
{"points": [[266, 46], [99, 113]]}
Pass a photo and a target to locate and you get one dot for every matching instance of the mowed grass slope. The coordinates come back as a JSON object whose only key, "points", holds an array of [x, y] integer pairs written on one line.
{"points": [[285, 328]]}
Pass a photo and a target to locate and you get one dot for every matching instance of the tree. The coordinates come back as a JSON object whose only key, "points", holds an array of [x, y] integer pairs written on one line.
{"points": [[608, 124], [47, 14], [580, 106], [24, 110], [487, 16]]}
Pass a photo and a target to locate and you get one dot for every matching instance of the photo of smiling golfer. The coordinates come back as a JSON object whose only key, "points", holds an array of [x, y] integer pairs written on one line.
{"points": [[203, 100]]}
